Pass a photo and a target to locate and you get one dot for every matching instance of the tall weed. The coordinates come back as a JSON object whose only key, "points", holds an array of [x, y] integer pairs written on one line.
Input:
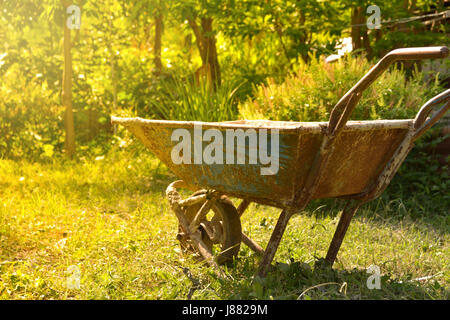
{"points": [[182, 99], [313, 90]]}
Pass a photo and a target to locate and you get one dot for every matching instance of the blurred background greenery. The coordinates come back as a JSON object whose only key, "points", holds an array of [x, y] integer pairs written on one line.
{"points": [[200, 60]]}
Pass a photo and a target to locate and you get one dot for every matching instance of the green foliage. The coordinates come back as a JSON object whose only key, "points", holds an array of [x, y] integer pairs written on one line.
{"points": [[257, 42], [282, 31], [316, 86], [183, 99], [398, 39], [423, 180], [30, 125]]}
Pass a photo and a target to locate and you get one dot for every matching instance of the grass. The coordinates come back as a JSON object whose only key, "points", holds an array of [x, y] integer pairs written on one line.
{"points": [[109, 217]]}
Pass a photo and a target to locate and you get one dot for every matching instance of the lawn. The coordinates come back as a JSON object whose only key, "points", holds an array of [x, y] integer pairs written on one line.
{"points": [[109, 217]]}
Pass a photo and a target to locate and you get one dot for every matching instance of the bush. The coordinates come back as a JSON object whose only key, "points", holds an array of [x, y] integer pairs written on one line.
{"points": [[183, 99], [30, 118], [314, 89], [422, 181]]}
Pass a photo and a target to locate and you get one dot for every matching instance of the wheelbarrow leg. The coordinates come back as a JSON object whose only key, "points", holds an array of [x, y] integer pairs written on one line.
{"points": [[349, 211], [274, 241]]}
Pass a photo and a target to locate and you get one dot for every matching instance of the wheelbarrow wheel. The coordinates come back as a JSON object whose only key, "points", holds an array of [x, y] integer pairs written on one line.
{"points": [[220, 230]]}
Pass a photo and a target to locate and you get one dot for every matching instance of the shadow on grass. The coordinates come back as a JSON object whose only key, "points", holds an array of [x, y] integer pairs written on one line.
{"points": [[297, 280], [389, 209]]}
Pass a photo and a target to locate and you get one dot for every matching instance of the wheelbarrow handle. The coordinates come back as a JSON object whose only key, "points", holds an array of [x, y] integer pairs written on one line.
{"points": [[419, 53], [342, 110], [421, 124]]}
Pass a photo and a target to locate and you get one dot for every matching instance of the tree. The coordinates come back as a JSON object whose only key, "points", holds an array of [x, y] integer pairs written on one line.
{"points": [[293, 27], [206, 44], [200, 17], [150, 13], [66, 94], [158, 39]]}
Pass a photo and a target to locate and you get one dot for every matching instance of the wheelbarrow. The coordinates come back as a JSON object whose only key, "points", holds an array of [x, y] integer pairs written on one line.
{"points": [[353, 160]]}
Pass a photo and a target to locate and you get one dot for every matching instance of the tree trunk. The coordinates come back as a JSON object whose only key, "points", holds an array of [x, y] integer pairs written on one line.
{"points": [[66, 94], [112, 64], [157, 43], [357, 14], [360, 35], [206, 43], [303, 38], [279, 31], [211, 51], [366, 41]]}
